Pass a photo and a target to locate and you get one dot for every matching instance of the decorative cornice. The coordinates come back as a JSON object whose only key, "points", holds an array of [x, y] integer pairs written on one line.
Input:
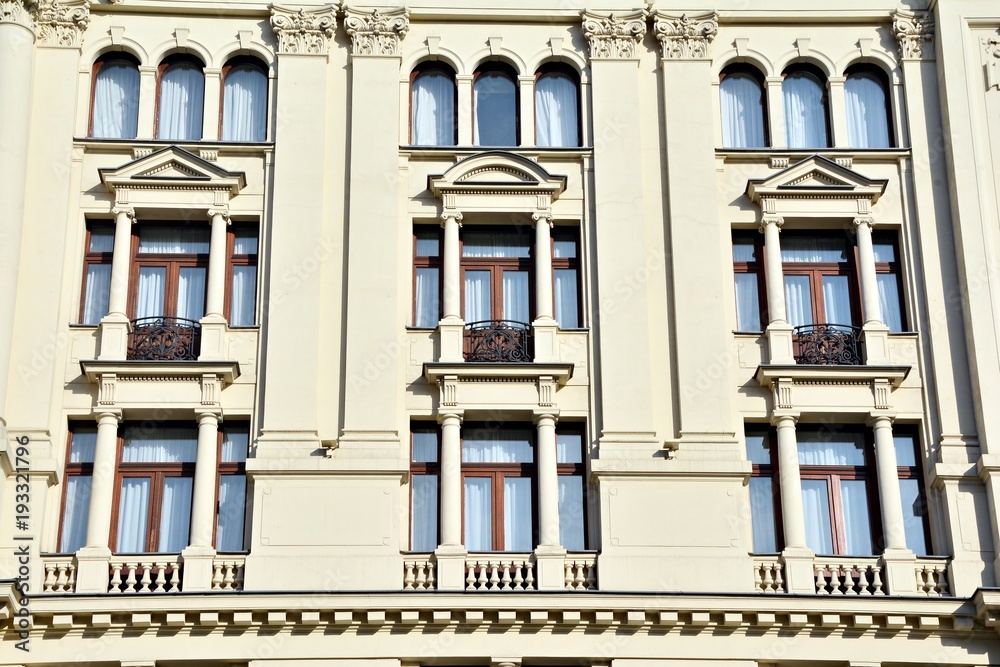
{"points": [[377, 33], [685, 37], [19, 12], [304, 31], [915, 33], [62, 23], [615, 36]]}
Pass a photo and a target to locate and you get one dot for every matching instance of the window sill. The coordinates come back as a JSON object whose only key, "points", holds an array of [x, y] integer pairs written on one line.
{"points": [[227, 371]]}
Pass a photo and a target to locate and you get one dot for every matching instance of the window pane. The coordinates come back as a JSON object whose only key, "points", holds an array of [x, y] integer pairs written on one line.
{"points": [[133, 514], [888, 298], [744, 250], [244, 296], [479, 513], [232, 510], [830, 449], [427, 291], [428, 243], [566, 299], [837, 299], [813, 249], [564, 248], [913, 516], [97, 294], [244, 104], [191, 292], [765, 534], [816, 508], [556, 111], [175, 514], [424, 518], [857, 523], [496, 110], [245, 242], [160, 444], [235, 444], [798, 300], [569, 447], [425, 447], [906, 450], [152, 291], [507, 445], [173, 240], [517, 514], [84, 445], [515, 296], [477, 296], [571, 529], [102, 239], [805, 111], [116, 101], [742, 112], [747, 302], [182, 102], [867, 120], [478, 243], [75, 513], [433, 110], [759, 448], [885, 250]]}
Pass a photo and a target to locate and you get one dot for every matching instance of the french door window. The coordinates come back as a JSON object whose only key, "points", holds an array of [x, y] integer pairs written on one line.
{"points": [[748, 272], [764, 509], [497, 275], [820, 281], [242, 293], [170, 271], [234, 442], [425, 475]]}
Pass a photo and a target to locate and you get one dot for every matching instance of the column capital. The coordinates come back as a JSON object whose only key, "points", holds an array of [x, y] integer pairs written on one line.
{"points": [[303, 31], [546, 415], [222, 211], [914, 32], [62, 23], [864, 220], [376, 33], [210, 416], [106, 415], [880, 418], [785, 418], [775, 220], [451, 415], [451, 214], [20, 12], [542, 216], [124, 209], [685, 37], [614, 36]]}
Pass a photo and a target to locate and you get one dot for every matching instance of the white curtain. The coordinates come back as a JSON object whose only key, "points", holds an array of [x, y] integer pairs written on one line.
{"points": [[155, 240], [116, 101], [102, 240], [857, 523], [822, 449], [814, 249], [742, 112], [152, 290], [479, 513], [798, 300], [163, 444], [191, 292], [232, 508], [244, 104], [495, 100], [867, 117], [906, 452], [556, 114], [888, 297], [98, 293], [744, 251], [424, 519], [805, 112], [515, 296], [566, 300], [507, 445], [84, 446], [425, 447], [816, 508], [913, 521], [762, 519], [244, 296], [245, 242], [133, 513], [427, 289], [747, 302], [569, 448], [496, 244], [517, 514], [175, 514], [182, 102], [837, 300], [75, 513], [433, 110], [234, 446], [477, 296], [571, 529]]}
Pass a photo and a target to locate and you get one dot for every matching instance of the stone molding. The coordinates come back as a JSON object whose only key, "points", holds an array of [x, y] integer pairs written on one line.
{"points": [[685, 37], [20, 12], [376, 33], [62, 23], [303, 31], [615, 36], [992, 45], [914, 32]]}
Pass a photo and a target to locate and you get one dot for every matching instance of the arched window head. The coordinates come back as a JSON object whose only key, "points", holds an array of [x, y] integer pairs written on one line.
{"points": [[432, 106], [557, 107], [495, 102], [115, 110], [244, 101], [181, 101], [868, 123], [742, 99], [804, 95]]}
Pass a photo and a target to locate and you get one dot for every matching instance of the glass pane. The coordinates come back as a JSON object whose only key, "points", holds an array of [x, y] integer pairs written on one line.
{"points": [[133, 515], [175, 514], [102, 239], [506, 445], [433, 120], [515, 296], [885, 250], [154, 239], [906, 450], [564, 248], [245, 242], [496, 110], [765, 533], [829, 448], [479, 513], [517, 514], [486, 243], [744, 250], [571, 529], [182, 101], [759, 448], [425, 447], [152, 291], [84, 445], [428, 243], [837, 299], [244, 104], [805, 111], [75, 513], [427, 291], [888, 298], [816, 508], [867, 117], [97, 293], [857, 523], [798, 300], [913, 516], [569, 447], [235, 443], [232, 510], [747, 302], [742, 112], [160, 444], [191, 292], [822, 249], [424, 517], [566, 299], [555, 111], [244, 296], [477, 296], [116, 101]]}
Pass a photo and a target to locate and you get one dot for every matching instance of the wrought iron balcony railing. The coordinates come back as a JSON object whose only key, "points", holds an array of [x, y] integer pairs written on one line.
{"points": [[164, 339], [502, 341], [828, 345]]}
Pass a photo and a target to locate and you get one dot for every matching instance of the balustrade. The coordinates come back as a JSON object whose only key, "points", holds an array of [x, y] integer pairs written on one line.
{"points": [[164, 339], [158, 575]]}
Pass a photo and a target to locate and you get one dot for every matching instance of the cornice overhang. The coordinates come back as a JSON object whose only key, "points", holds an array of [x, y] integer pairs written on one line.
{"points": [[435, 370], [497, 173], [151, 179], [767, 374], [227, 371], [796, 189]]}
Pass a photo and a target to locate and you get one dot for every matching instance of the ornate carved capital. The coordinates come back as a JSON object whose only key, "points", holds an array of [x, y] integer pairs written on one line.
{"points": [[62, 23], [775, 220], [451, 215], [864, 220], [685, 37], [915, 33], [377, 33], [124, 209], [218, 210], [543, 217], [19, 12], [615, 36], [304, 31]]}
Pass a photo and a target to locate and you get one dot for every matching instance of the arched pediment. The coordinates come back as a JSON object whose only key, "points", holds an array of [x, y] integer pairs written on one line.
{"points": [[497, 181]]}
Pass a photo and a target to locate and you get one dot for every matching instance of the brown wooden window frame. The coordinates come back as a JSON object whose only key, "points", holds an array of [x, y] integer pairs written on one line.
{"points": [[915, 472], [93, 258], [894, 268], [73, 470], [882, 78], [106, 59], [817, 270], [440, 67], [428, 262], [574, 76], [496, 266], [233, 260], [757, 269], [229, 468], [769, 471], [165, 64], [746, 69], [510, 72], [819, 76], [577, 470], [237, 62], [567, 233], [172, 262], [425, 468]]}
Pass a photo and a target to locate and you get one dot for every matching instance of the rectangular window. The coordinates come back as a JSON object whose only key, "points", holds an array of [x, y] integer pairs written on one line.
{"points": [[100, 244], [497, 274], [242, 294], [76, 499], [426, 276], [911, 490], [764, 511], [888, 275], [748, 276], [425, 472], [820, 280], [234, 443], [169, 271], [566, 277], [569, 462]]}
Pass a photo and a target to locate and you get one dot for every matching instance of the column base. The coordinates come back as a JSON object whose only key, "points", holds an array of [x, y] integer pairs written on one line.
{"points": [[899, 571], [213, 338], [546, 334], [779, 344], [92, 570], [197, 568], [451, 331], [550, 568], [799, 574], [451, 567], [876, 337], [114, 330]]}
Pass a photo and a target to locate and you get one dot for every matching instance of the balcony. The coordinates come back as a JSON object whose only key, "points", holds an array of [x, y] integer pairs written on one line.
{"points": [[164, 339], [847, 576], [501, 572], [828, 345], [498, 341]]}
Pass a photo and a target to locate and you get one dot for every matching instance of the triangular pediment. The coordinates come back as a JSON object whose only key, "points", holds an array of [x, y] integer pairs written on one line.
{"points": [[172, 167], [814, 176]]}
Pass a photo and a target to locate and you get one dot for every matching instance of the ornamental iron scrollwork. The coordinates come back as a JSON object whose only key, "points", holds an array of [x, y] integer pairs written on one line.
{"points": [[164, 339], [828, 345], [498, 341]]}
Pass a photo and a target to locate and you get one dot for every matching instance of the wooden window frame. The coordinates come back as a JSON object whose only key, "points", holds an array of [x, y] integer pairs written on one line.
{"points": [[92, 258], [882, 78], [566, 233], [424, 468], [821, 79], [233, 260], [428, 67], [756, 268], [894, 268], [72, 470], [817, 270], [511, 73], [105, 59], [229, 468], [165, 64], [233, 63], [745, 69], [173, 262], [496, 266], [770, 471], [428, 262], [916, 472], [574, 76], [577, 470]]}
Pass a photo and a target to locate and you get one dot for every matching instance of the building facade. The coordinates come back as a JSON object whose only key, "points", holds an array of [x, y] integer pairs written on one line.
{"points": [[535, 333]]}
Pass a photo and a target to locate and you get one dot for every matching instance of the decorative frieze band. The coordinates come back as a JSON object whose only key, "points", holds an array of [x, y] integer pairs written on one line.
{"points": [[62, 23], [376, 33], [915, 34], [304, 31], [615, 36], [685, 37], [19, 12]]}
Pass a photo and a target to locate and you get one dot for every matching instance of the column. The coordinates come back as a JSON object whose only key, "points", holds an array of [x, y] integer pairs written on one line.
{"points": [[199, 555], [92, 559], [779, 331], [775, 110], [545, 328], [451, 553], [451, 327], [213, 324], [875, 331], [115, 325], [550, 556], [797, 556], [898, 561], [838, 112]]}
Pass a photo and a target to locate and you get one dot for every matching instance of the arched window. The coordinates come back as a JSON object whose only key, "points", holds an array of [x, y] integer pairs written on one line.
{"points": [[432, 106], [244, 100], [804, 95], [181, 100], [742, 96], [557, 107], [867, 108], [495, 102], [115, 111]]}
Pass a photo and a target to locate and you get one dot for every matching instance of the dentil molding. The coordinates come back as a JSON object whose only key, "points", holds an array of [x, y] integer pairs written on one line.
{"points": [[615, 36], [914, 32], [685, 37], [304, 31], [62, 23], [376, 33]]}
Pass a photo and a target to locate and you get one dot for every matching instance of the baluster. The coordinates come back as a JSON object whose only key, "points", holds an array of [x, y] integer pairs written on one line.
{"points": [[229, 575], [71, 579], [147, 578], [529, 576], [161, 577], [430, 575], [50, 578], [130, 580], [505, 581], [820, 574], [408, 577], [116, 578], [421, 576], [757, 581], [877, 581], [768, 581], [470, 577], [568, 576], [519, 577], [494, 576], [925, 580], [60, 583], [217, 576], [779, 582], [239, 568], [591, 581]]}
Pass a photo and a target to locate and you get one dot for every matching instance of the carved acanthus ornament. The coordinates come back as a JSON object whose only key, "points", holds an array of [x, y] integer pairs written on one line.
{"points": [[377, 33], [915, 33], [304, 31], [685, 37], [62, 23], [615, 36], [19, 12]]}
